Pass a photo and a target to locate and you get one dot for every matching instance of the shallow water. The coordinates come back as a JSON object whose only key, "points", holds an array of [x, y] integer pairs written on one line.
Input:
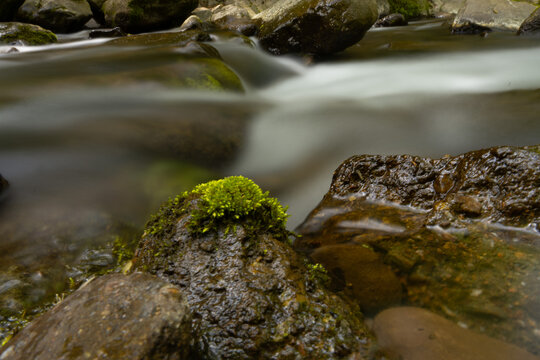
{"points": [[82, 155]]}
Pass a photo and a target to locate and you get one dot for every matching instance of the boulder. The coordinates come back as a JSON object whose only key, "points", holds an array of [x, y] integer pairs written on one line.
{"points": [[112, 317], [410, 333], [383, 8], [315, 26], [446, 7], [96, 7], [61, 16], [8, 9], [531, 25], [411, 9], [136, 16], [460, 233], [225, 245], [26, 34], [492, 14]]}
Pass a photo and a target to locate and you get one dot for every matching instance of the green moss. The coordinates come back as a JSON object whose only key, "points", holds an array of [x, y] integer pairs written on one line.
{"points": [[222, 204], [317, 272], [410, 8]]}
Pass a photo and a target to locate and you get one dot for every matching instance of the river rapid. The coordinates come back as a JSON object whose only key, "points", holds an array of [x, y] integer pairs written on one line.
{"points": [[83, 158]]}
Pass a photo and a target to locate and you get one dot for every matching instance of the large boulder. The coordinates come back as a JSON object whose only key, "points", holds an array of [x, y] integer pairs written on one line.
{"points": [[225, 245], [315, 26], [27, 34], [61, 16], [8, 9], [112, 317], [412, 333], [136, 16], [492, 14], [460, 233]]}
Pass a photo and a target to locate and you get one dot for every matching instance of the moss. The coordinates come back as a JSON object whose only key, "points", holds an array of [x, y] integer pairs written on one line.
{"points": [[222, 204], [410, 8], [29, 34], [317, 272]]}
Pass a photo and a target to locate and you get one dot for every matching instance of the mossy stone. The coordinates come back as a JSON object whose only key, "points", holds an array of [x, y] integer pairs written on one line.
{"points": [[26, 33], [411, 9]]}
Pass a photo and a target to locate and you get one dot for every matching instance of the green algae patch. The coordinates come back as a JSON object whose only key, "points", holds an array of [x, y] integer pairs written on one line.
{"points": [[26, 33], [222, 204], [410, 8]]}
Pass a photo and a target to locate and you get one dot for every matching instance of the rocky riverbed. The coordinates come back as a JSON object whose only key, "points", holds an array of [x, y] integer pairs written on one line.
{"points": [[108, 108]]}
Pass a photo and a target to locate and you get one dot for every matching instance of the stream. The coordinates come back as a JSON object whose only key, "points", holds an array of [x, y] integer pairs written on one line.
{"points": [[87, 161]]}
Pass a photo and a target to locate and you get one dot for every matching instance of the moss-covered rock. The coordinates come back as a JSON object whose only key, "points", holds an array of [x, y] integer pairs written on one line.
{"points": [[8, 9], [61, 16], [531, 25], [25, 33], [136, 16], [251, 295]]}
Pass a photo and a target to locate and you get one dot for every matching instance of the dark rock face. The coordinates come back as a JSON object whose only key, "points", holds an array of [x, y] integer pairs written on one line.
{"points": [[315, 26], [3, 184], [112, 317], [392, 20], [460, 233], [61, 16], [252, 296], [531, 25], [413, 333], [27, 34], [8, 9], [136, 16], [495, 185]]}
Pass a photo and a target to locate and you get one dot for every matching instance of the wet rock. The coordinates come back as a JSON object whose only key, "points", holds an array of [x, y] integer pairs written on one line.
{"points": [[477, 271], [159, 39], [362, 271], [491, 14], [60, 16], [251, 295], [234, 18], [392, 20], [412, 333], [115, 317], [383, 8], [136, 16], [446, 7], [25, 34], [8, 9], [97, 11], [503, 181], [531, 25], [411, 9], [116, 32], [315, 26]]}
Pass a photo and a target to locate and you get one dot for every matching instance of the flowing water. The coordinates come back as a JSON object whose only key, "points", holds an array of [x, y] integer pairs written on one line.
{"points": [[87, 158]]}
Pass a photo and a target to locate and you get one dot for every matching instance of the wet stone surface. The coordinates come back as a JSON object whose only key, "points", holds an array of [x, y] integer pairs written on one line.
{"points": [[113, 317], [251, 295], [443, 228]]}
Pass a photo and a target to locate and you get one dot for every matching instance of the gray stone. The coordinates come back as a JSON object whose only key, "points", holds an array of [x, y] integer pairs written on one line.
{"points": [[493, 14], [113, 317], [56, 15], [410, 333]]}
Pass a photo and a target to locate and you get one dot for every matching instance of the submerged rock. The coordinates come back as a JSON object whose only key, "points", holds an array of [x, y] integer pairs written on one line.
{"points": [[225, 245], [315, 26], [114, 317], [136, 16], [411, 333], [531, 25], [61, 16], [8, 9], [460, 233], [27, 34], [491, 14]]}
